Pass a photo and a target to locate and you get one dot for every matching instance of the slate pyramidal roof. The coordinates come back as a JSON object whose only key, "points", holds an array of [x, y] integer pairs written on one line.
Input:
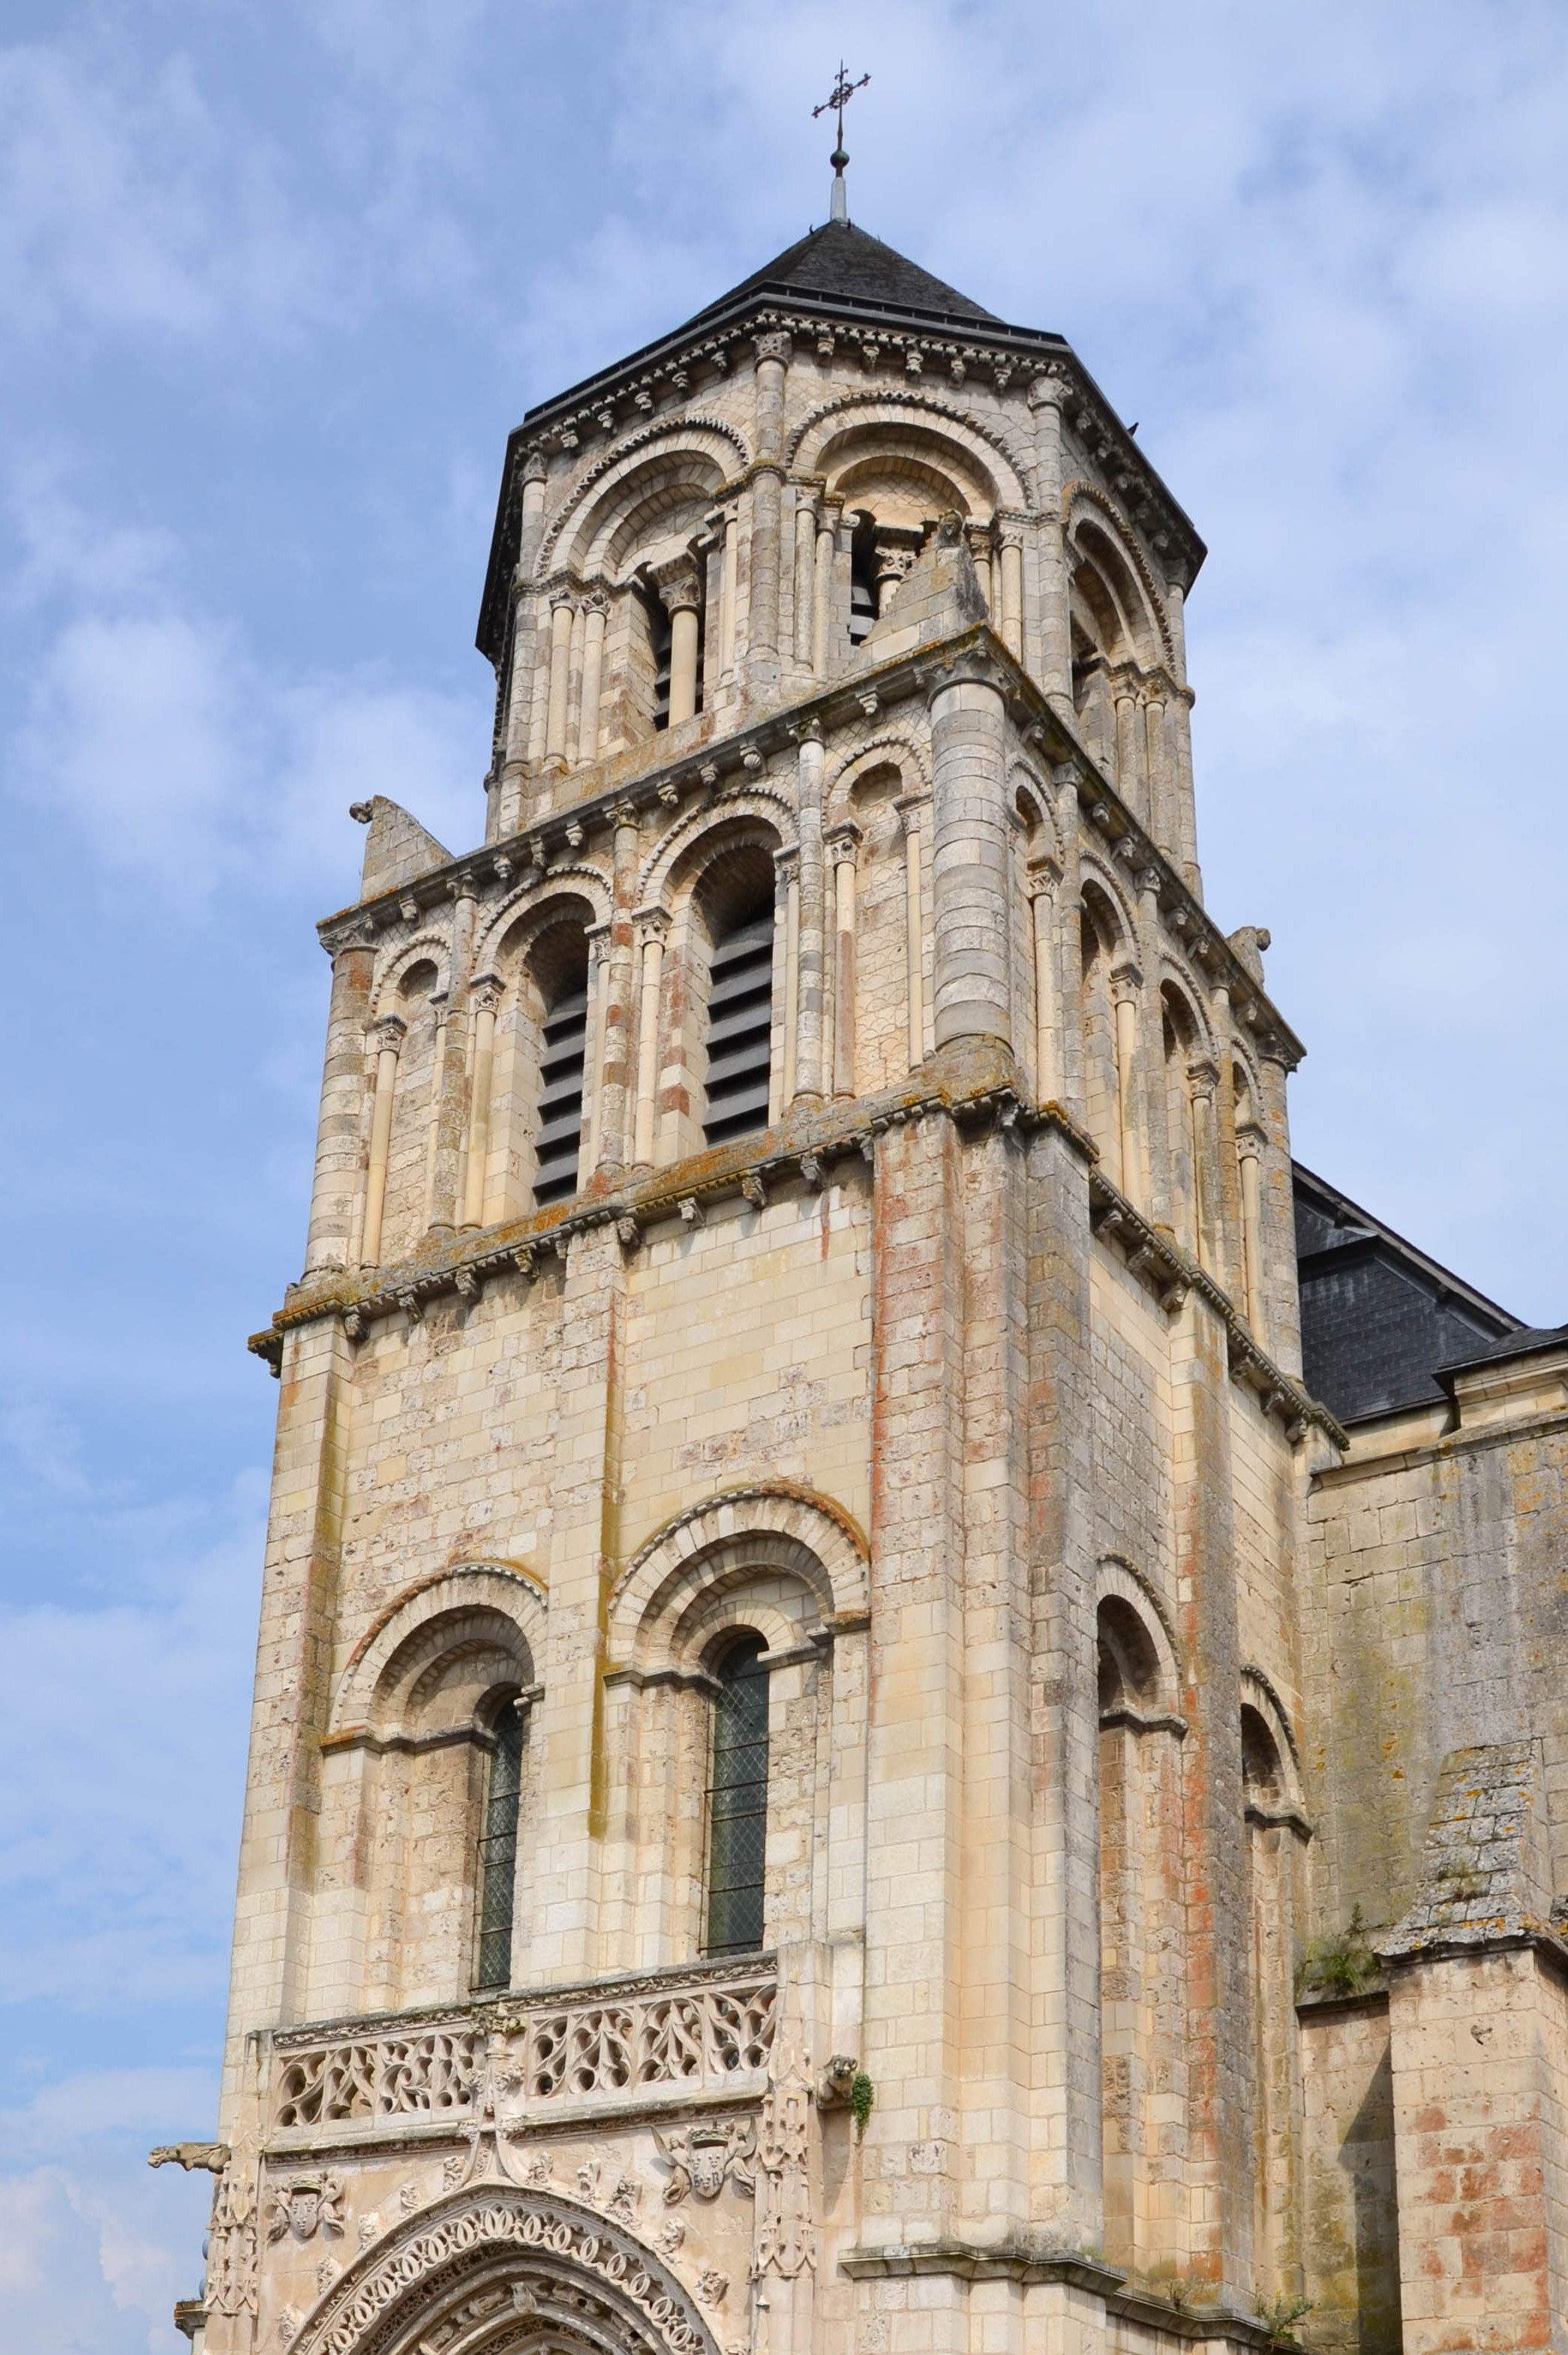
{"points": [[844, 261], [837, 268]]}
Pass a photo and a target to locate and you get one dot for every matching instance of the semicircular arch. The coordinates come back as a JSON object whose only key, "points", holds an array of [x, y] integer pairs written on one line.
{"points": [[590, 508], [422, 947], [984, 447], [674, 860], [463, 1592], [773, 1525]]}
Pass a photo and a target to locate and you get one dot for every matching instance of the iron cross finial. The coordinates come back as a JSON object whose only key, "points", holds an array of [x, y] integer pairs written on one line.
{"points": [[838, 98]]}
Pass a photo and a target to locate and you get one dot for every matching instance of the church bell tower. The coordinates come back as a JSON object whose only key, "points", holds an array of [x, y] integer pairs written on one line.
{"points": [[779, 1651]]}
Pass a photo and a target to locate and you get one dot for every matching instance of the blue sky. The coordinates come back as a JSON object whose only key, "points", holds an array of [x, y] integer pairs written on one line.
{"points": [[274, 283]]}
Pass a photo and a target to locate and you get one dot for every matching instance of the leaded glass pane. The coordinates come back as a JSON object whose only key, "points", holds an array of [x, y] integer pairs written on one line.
{"points": [[498, 1853], [737, 1803]]}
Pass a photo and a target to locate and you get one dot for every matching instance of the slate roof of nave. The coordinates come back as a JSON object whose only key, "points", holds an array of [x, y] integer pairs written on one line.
{"points": [[852, 266]]}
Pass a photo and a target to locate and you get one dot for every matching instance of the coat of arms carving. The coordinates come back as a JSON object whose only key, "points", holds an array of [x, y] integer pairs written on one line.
{"points": [[702, 2159]]}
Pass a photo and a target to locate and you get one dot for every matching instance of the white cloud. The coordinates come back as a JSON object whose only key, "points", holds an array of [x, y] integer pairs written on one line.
{"points": [[182, 761]]}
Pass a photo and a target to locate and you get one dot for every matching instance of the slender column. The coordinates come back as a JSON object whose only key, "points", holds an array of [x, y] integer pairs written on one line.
{"points": [[1249, 1153], [615, 1063], [971, 865], [812, 1007], [910, 808], [575, 686], [772, 358], [726, 609], [562, 606], [1178, 741], [1045, 397], [1126, 983], [652, 924], [340, 1129], [451, 1072], [680, 589], [1231, 1269], [1152, 1110], [978, 538], [843, 843], [822, 603], [1203, 1079], [787, 919], [521, 651], [485, 998], [894, 566], [593, 1060], [1161, 819], [595, 612], [389, 1035], [1011, 569], [1277, 1211], [1043, 878], [1128, 769], [805, 575]]}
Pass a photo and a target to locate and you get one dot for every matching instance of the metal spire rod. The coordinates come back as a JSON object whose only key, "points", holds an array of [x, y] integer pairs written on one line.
{"points": [[842, 90]]}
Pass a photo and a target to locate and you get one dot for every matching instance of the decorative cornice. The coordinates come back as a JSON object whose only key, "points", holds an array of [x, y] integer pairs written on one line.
{"points": [[801, 1150]]}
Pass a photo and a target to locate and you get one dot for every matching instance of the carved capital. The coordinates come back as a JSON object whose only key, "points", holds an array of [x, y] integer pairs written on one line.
{"points": [[390, 1033], [840, 842], [652, 923], [678, 583], [774, 344], [484, 993], [1250, 1142], [1126, 981]]}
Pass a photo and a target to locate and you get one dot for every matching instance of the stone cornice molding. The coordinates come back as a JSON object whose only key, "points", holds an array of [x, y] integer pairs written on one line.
{"points": [[803, 1150], [842, 704]]}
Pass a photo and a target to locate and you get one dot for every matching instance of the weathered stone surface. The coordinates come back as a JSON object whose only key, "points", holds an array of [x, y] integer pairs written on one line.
{"points": [[958, 1376]]}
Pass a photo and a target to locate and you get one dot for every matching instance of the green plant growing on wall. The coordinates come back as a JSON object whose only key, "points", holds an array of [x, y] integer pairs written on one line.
{"points": [[1342, 1966], [1279, 2315], [862, 2092]]}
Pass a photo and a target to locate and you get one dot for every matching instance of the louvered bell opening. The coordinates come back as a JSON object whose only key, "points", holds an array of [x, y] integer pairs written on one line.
{"points": [[740, 1017], [863, 612], [563, 1044]]}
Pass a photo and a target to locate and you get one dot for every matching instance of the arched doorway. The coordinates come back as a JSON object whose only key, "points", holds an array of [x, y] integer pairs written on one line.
{"points": [[497, 2269]]}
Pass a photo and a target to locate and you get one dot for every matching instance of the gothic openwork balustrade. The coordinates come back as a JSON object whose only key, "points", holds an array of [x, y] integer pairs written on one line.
{"points": [[703, 2033]]}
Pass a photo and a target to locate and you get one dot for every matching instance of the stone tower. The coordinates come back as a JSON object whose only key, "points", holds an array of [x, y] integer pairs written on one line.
{"points": [[778, 1817]]}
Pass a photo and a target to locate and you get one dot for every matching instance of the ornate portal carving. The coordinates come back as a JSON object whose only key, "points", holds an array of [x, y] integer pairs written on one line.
{"points": [[786, 2239]]}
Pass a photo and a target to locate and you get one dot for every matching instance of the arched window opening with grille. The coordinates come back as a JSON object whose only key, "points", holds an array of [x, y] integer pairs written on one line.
{"points": [[741, 997], [561, 971], [497, 1875], [738, 1801]]}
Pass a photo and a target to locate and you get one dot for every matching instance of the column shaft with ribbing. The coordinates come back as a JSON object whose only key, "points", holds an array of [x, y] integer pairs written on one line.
{"points": [[339, 1135], [971, 863]]}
